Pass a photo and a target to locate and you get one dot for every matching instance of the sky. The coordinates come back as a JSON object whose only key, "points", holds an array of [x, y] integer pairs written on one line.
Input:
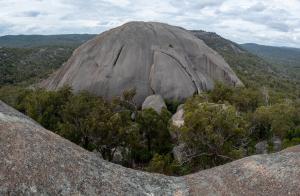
{"points": [[269, 22]]}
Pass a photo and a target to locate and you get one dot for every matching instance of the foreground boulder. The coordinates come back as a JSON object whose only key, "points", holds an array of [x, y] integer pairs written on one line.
{"points": [[35, 161], [153, 58], [156, 102]]}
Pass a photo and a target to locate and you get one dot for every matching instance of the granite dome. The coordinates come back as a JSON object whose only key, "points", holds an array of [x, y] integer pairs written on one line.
{"points": [[153, 58]]}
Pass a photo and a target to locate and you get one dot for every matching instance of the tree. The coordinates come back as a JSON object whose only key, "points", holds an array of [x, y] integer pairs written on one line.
{"points": [[221, 93], [92, 123], [77, 119], [163, 164], [46, 106], [116, 132], [154, 130], [246, 99], [277, 120], [215, 132]]}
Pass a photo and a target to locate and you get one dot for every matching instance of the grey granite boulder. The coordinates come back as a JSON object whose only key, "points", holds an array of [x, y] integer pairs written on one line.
{"points": [[277, 144], [261, 147], [178, 117], [264, 147], [153, 58], [177, 121], [35, 161], [156, 102]]}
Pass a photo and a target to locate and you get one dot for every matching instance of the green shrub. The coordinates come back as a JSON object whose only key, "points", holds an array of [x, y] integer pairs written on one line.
{"points": [[215, 132]]}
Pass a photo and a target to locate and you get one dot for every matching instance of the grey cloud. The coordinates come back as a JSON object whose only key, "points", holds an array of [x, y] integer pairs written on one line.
{"points": [[31, 14], [279, 26], [259, 7], [210, 3], [187, 5], [276, 19], [239, 20]]}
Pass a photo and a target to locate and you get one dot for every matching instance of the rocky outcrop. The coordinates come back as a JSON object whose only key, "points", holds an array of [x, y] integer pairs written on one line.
{"points": [[35, 161], [178, 117], [180, 151], [153, 58], [156, 102]]}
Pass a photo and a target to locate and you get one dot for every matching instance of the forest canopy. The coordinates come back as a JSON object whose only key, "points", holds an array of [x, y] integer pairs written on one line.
{"points": [[219, 126]]}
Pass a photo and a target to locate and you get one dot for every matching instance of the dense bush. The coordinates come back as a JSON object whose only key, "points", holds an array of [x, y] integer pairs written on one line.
{"points": [[154, 129], [277, 119], [215, 132], [28, 65], [96, 124], [221, 125], [293, 138]]}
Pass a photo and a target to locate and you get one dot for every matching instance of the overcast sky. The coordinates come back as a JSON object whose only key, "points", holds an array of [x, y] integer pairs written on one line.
{"points": [[270, 22]]}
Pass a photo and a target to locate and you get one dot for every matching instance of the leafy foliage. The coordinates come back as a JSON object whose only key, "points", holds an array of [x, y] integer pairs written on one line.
{"points": [[221, 125], [277, 119], [215, 132], [96, 124], [154, 129]]}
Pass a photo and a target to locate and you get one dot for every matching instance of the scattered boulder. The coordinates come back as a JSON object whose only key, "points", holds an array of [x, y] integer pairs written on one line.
{"points": [[119, 155], [181, 106], [264, 147], [156, 102], [153, 58], [180, 152], [178, 117], [35, 161], [177, 121], [277, 144], [261, 147]]}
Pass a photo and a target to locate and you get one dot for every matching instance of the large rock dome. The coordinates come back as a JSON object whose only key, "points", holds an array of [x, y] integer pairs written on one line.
{"points": [[153, 58]]}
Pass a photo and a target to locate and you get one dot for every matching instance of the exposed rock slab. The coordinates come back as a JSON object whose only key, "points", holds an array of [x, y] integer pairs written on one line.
{"points": [[35, 161], [156, 102], [153, 58]]}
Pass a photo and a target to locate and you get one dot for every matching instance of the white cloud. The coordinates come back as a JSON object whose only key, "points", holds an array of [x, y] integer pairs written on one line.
{"points": [[266, 22]]}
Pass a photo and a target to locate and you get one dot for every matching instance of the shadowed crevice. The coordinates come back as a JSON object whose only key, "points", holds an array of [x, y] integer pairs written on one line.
{"points": [[118, 55]]}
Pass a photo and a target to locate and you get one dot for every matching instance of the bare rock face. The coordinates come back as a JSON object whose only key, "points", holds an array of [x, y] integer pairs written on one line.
{"points": [[156, 102], [153, 58], [35, 161]]}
